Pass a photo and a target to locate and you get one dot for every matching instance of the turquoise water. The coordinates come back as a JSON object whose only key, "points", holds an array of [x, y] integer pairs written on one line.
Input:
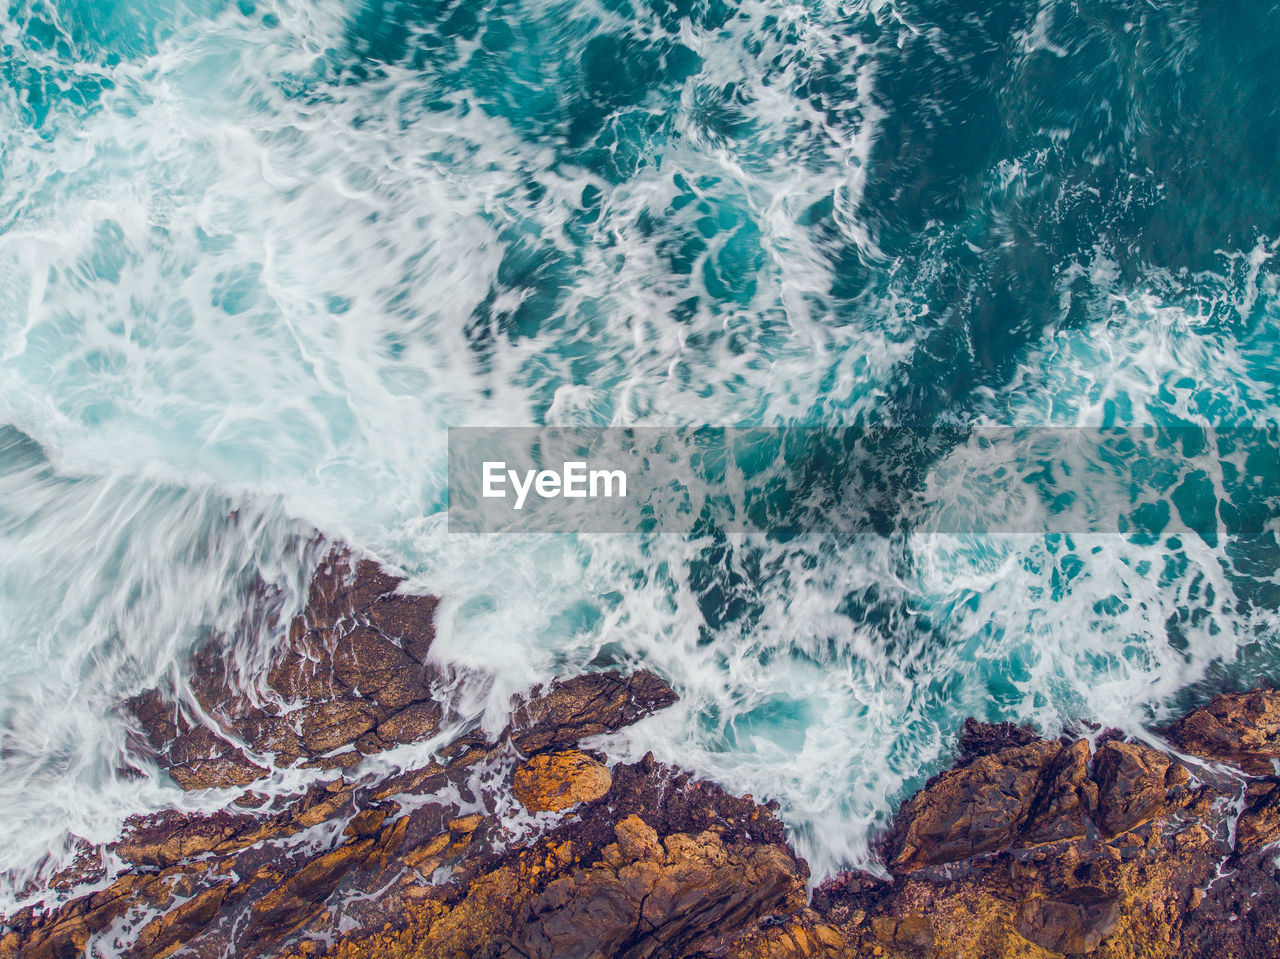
{"points": [[255, 258]]}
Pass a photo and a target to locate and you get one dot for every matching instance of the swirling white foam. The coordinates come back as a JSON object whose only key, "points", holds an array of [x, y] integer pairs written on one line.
{"points": [[239, 277]]}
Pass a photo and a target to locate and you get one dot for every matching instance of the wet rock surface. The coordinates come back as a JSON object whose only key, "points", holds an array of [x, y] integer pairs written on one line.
{"points": [[350, 678], [555, 781], [520, 845], [1238, 728], [529, 844]]}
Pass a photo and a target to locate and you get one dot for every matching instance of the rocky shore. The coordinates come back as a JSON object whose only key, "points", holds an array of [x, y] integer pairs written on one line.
{"points": [[529, 845]]}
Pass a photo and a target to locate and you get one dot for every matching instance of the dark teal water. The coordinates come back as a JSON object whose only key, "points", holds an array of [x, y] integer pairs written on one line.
{"points": [[255, 258]]}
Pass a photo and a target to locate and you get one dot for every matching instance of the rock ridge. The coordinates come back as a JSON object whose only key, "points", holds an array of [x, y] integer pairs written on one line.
{"points": [[530, 845]]}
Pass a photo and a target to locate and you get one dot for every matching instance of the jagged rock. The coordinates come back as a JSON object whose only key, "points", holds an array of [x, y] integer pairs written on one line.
{"points": [[1066, 799], [372, 666], [981, 739], [170, 837], [1239, 728], [343, 586], [1236, 916], [645, 898], [1259, 823], [194, 755], [569, 710], [1020, 795], [67, 932], [418, 721], [1126, 862], [351, 663], [87, 866], [1028, 847], [297, 899], [170, 930], [705, 884], [1072, 925], [338, 722], [408, 620], [245, 879], [167, 838], [555, 781], [1134, 782], [804, 934]]}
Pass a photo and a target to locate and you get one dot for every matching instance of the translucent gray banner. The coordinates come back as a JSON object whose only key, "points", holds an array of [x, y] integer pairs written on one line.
{"points": [[1142, 482]]}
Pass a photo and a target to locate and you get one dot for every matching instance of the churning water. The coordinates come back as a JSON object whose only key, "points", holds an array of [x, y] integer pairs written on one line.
{"points": [[256, 257]]}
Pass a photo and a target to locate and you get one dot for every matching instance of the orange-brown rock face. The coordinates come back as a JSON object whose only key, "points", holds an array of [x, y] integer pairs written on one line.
{"points": [[1028, 847], [1017, 797], [1047, 849], [651, 895], [555, 781]]}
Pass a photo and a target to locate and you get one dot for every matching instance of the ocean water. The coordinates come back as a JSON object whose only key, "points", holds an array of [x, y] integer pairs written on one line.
{"points": [[255, 258]]}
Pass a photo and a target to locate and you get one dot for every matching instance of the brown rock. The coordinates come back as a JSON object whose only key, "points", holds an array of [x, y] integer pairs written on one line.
{"points": [[170, 930], [344, 586], [292, 903], [983, 739], [636, 839], [201, 759], [87, 865], [559, 715], [1027, 848], [407, 620], [350, 671], [465, 825], [195, 756], [303, 670], [67, 933], [165, 839], [555, 781], [327, 725], [375, 668], [649, 900], [365, 823], [1133, 784], [1259, 823], [1239, 728], [415, 722], [1021, 795], [342, 676], [1073, 925], [1066, 798]]}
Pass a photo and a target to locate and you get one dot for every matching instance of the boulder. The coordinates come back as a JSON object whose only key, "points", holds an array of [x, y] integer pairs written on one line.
{"points": [[559, 715], [555, 781], [1017, 796], [1134, 784], [1238, 728]]}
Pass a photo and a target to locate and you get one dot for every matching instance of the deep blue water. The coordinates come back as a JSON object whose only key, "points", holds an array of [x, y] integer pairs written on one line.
{"points": [[255, 258]]}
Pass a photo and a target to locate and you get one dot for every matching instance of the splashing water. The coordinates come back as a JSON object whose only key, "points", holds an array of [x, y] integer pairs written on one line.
{"points": [[256, 257]]}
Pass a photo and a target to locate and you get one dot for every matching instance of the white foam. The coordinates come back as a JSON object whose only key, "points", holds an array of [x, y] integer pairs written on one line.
{"points": [[242, 278]]}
